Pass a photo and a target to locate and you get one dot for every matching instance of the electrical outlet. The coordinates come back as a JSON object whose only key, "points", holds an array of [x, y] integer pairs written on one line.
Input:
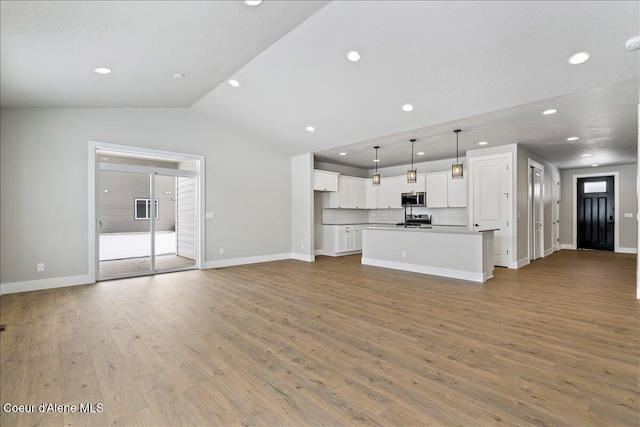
{"points": [[40, 266], [208, 215], [404, 254], [221, 251], [301, 245]]}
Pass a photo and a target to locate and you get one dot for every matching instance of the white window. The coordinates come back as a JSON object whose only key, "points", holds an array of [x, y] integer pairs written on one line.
{"points": [[142, 208], [595, 187]]}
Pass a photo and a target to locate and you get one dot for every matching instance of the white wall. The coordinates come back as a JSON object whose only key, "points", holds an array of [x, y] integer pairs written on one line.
{"points": [[628, 203], [302, 207], [43, 185]]}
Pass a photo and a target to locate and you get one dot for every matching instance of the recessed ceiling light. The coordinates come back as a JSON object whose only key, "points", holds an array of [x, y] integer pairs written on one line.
{"points": [[311, 129], [343, 154], [102, 70], [421, 153], [595, 166], [633, 43], [586, 155], [252, 2], [353, 56], [106, 191], [376, 160], [178, 76], [407, 107], [551, 111], [573, 138], [482, 143], [579, 58], [234, 83]]}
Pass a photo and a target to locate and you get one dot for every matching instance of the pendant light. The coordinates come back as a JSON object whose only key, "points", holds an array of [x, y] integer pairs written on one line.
{"points": [[456, 169], [376, 175], [412, 174]]}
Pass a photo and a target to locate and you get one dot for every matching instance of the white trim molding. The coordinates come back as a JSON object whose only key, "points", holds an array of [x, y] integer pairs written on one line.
{"points": [[567, 246], [247, 260], [522, 262], [41, 284], [424, 269], [627, 250]]}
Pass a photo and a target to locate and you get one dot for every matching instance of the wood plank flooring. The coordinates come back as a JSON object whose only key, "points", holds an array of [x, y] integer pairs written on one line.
{"points": [[333, 343]]}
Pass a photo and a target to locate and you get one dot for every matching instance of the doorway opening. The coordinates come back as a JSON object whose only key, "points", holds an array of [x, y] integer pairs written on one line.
{"points": [[595, 213], [147, 212], [536, 210]]}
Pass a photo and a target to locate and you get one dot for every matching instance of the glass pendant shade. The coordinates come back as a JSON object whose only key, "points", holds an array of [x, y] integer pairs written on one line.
{"points": [[376, 175], [376, 178], [412, 176], [456, 168]]}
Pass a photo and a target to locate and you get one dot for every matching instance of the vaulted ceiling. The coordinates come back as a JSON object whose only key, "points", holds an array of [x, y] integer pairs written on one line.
{"points": [[489, 68]]}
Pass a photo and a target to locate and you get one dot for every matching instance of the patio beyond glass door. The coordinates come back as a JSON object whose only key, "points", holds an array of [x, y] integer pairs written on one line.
{"points": [[125, 212], [176, 225], [147, 220]]}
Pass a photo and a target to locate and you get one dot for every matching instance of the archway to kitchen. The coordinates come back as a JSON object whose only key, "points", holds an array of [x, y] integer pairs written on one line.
{"points": [[146, 211]]}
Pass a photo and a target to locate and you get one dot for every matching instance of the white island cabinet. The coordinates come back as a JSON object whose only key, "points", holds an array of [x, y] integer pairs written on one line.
{"points": [[449, 252]]}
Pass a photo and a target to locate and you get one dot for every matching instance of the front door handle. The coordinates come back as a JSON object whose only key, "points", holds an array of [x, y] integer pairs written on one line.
{"points": [[99, 224], [476, 225]]}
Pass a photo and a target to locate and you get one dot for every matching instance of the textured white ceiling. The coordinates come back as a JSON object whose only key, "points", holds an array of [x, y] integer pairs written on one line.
{"points": [[487, 67], [48, 49]]}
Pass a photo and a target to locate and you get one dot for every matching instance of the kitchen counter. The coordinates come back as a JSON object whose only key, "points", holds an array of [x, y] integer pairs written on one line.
{"points": [[455, 252]]}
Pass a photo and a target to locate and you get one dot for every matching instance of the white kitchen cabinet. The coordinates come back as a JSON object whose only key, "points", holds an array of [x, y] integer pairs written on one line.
{"points": [[437, 183], [444, 191], [350, 194], [325, 180], [389, 192], [370, 194], [418, 186], [342, 239], [457, 192]]}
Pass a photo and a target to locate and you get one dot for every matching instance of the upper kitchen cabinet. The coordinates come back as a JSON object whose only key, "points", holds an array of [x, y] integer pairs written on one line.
{"points": [[390, 192], [457, 192], [351, 194], [443, 191], [437, 189], [325, 180], [418, 186]]}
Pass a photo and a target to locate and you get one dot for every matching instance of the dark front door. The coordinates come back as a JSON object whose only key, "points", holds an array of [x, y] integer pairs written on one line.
{"points": [[595, 213]]}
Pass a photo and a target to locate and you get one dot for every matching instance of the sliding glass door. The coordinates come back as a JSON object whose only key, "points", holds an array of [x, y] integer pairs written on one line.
{"points": [[147, 220]]}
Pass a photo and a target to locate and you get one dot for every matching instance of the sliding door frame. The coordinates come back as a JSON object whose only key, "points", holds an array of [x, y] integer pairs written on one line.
{"points": [[93, 208]]}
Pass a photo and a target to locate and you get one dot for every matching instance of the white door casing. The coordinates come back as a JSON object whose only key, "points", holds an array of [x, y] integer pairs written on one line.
{"points": [[555, 212], [491, 204], [535, 210]]}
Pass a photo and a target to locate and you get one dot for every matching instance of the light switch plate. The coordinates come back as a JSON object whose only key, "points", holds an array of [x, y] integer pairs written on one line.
{"points": [[628, 215], [208, 215]]}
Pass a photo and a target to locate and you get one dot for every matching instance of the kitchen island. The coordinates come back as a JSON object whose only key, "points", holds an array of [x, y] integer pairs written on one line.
{"points": [[450, 252]]}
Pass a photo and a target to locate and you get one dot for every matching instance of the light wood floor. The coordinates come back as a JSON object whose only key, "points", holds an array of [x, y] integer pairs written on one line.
{"points": [[333, 343]]}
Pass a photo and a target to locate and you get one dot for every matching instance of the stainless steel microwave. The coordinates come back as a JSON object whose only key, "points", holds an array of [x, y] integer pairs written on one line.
{"points": [[414, 199]]}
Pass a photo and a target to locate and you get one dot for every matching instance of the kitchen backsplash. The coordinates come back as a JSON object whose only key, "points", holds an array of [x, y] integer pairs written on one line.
{"points": [[439, 216], [345, 216]]}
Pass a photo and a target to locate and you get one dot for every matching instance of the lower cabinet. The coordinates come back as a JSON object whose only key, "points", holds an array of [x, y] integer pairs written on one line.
{"points": [[342, 239]]}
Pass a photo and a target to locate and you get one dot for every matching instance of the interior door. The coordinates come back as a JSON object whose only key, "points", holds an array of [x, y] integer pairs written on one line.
{"points": [[536, 230], [555, 211], [595, 216], [492, 203]]}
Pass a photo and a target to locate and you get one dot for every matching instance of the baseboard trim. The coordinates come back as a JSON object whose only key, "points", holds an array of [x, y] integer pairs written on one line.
{"points": [[302, 257], [247, 260], [435, 271], [522, 262], [548, 252], [568, 246], [627, 250], [41, 284]]}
